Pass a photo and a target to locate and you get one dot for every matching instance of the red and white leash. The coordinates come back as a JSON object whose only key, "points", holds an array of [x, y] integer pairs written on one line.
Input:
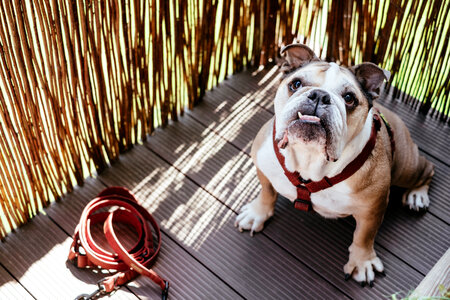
{"points": [[128, 263]]}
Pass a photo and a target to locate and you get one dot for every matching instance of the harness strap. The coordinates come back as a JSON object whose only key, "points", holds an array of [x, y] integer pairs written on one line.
{"points": [[389, 130], [306, 187], [128, 263]]}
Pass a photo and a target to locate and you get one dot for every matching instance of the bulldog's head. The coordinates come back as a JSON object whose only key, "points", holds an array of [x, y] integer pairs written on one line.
{"points": [[322, 104]]}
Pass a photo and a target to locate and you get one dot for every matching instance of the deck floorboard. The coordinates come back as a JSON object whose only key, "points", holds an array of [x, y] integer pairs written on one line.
{"points": [[194, 175], [10, 288]]}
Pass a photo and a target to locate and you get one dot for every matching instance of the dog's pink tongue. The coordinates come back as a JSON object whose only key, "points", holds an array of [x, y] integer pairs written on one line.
{"points": [[284, 141]]}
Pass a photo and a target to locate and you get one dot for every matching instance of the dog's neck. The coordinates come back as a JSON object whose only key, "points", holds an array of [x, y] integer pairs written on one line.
{"points": [[312, 164]]}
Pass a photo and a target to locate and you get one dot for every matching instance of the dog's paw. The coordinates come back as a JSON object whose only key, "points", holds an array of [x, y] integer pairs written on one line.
{"points": [[362, 265], [252, 217], [416, 199]]}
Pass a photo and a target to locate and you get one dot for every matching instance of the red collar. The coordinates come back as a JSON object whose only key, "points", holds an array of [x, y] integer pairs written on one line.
{"points": [[306, 187]]}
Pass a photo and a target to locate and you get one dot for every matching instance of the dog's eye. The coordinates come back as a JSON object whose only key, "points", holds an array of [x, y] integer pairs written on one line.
{"points": [[349, 98], [295, 85]]}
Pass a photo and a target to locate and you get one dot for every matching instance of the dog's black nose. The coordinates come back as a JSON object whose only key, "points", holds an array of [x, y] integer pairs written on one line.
{"points": [[320, 96]]}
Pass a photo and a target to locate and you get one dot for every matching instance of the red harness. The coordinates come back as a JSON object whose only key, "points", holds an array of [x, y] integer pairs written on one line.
{"points": [[306, 187]]}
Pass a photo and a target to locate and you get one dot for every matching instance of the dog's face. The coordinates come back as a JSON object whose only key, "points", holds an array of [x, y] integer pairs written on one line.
{"points": [[321, 104]]}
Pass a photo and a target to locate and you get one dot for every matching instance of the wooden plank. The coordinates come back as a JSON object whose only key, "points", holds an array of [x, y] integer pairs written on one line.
{"points": [[187, 277], [10, 288], [210, 161], [66, 212], [36, 255], [261, 85], [228, 174], [437, 280], [256, 268], [227, 112]]}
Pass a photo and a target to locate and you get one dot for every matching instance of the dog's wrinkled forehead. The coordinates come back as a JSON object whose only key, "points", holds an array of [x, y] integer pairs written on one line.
{"points": [[328, 76]]}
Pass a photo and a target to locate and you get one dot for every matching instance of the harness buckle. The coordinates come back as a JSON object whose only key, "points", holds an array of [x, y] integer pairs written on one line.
{"points": [[304, 181], [302, 204], [377, 121], [303, 192]]}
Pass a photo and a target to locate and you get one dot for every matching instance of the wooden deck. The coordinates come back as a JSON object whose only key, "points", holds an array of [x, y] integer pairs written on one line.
{"points": [[194, 176]]}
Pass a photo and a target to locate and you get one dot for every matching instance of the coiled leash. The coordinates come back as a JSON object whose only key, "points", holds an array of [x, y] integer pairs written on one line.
{"points": [[84, 252]]}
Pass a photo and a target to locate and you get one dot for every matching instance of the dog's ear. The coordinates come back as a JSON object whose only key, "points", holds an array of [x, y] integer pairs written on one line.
{"points": [[297, 55], [370, 76]]}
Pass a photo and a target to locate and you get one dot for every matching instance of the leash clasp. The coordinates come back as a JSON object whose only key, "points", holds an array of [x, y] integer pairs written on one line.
{"points": [[99, 292], [165, 292]]}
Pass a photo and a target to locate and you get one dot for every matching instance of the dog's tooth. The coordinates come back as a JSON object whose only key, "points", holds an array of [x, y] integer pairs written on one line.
{"points": [[299, 115], [283, 142]]}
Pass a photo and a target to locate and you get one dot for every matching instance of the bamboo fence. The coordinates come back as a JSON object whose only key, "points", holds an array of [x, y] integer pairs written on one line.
{"points": [[82, 81]]}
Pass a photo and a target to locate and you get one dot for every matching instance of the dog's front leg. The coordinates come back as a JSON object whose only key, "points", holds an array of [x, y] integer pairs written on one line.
{"points": [[363, 260], [254, 214]]}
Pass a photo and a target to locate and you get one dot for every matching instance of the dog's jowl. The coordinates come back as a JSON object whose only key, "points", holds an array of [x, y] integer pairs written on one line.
{"points": [[332, 149]]}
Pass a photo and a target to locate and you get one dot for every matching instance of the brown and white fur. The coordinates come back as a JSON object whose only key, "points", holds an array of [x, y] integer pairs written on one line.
{"points": [[323, 148]]}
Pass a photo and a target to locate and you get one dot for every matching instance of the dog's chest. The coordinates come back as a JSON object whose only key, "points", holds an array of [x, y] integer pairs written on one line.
{"points": [[335, 201]]}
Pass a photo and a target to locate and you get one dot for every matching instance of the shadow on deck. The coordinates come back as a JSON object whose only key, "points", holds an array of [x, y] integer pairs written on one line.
{"points": [[194, 176]]}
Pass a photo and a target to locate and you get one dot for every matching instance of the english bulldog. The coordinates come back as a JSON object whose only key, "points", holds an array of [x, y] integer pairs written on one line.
{"points": [[325, 121]]}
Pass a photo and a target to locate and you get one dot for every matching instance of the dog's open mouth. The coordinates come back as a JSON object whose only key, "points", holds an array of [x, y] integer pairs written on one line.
{"points": [[304, 127]]}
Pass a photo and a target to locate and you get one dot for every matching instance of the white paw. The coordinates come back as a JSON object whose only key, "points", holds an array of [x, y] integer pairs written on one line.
{"points": [[416, 199], [362, 265], [252, 216]]}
